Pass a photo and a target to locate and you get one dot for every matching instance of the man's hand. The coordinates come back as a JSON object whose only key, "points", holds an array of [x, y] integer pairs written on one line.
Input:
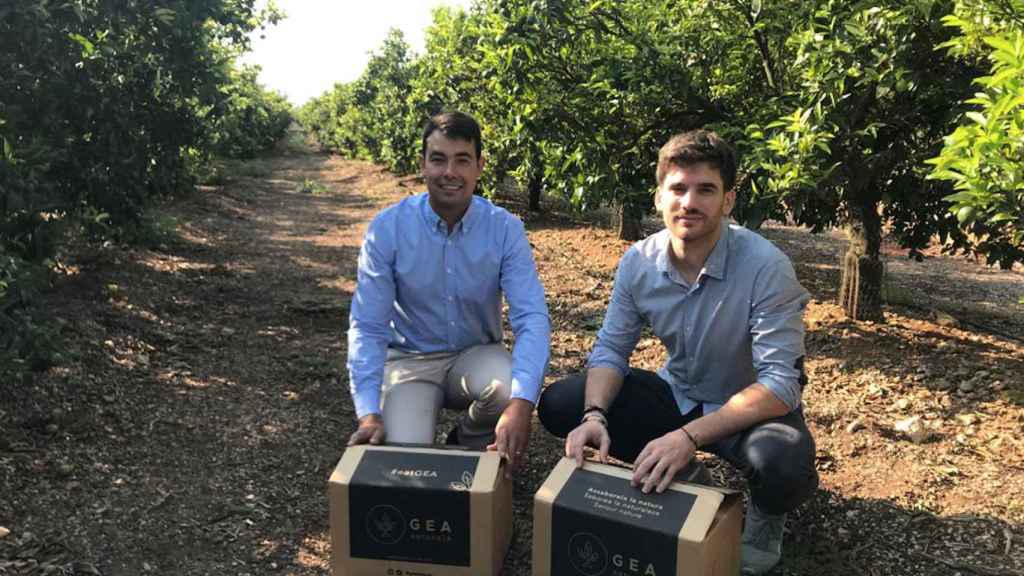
{"points": [[370, 431], [512, 433], [590, 433], [659, 461]]}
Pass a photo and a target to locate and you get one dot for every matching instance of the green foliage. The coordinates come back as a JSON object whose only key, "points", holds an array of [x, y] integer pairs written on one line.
{"points": [[834, 106], [983, 155], [310, 186], [105, 106], [869, 105], [373, 117], [250, 119]]}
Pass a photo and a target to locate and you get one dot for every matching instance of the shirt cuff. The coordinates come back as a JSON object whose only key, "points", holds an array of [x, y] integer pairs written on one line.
{"points": [[367, 403], [784, 389], [524, 391], [622, 369]]}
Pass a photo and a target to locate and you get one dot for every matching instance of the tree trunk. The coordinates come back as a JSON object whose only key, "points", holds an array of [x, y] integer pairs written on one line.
{"points": [[860, 294], [536, 186], [630, 218]]}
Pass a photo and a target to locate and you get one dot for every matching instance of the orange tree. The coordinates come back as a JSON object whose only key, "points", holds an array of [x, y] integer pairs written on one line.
{"points": [[102, 106], [850, 142], [371, 117], [982, 156], [589, 91]]}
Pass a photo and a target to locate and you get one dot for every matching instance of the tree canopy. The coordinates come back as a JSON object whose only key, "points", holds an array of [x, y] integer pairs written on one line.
{"points": [[835, 106], [107, 105]]}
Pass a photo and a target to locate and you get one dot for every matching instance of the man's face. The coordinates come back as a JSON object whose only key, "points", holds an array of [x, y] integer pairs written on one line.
{"points": [[450, 169], [692, 201]]}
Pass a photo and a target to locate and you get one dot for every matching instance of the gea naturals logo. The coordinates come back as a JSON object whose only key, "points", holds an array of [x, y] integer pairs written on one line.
{"points": [[589, 556], [386, 524]]}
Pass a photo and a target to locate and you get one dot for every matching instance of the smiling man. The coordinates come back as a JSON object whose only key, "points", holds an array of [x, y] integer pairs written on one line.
{"points": [[726, 304], [425, 328]]}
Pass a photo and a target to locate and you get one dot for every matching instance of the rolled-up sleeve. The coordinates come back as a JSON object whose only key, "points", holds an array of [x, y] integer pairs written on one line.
{"points": [[370, 316], [528, 314], [777, 330], [622, 324]]}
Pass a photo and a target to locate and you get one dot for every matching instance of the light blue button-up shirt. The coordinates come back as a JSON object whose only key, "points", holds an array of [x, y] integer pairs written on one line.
{"points": [[741, 321], [420, 289]]}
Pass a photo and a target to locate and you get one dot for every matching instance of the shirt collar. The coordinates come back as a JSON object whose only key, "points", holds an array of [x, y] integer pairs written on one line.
{"points": [[471, 216], [434, 222], [662, 243], [714, 266]]}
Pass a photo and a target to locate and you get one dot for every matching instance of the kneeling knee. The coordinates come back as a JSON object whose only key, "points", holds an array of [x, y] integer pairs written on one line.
{"points": [[789, 483], [557, 411]]}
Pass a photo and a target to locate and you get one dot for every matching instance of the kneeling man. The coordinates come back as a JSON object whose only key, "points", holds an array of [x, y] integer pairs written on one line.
{"points": [[425, 328], [726, 304]]}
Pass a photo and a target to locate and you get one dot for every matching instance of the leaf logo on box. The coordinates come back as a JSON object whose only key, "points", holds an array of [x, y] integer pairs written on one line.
{"points": [[465, 484], [587, 554], [385, 524]]}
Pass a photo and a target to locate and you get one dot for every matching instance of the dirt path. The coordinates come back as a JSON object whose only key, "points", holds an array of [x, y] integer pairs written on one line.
{"points": [[202, 403]]}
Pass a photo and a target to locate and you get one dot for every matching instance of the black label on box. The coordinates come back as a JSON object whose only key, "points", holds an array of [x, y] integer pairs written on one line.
{"points": [[412, 506], [600, 525]]}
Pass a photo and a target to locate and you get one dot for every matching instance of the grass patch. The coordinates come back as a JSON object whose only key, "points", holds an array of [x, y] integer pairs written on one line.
{"points": [[156, 231], [221, 171], [314, 187], [901, 296], [247, 169], [295, 142]]}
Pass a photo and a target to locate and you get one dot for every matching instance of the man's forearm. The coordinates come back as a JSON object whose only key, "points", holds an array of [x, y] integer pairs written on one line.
{"points": [[603, 385], [753, 404]]}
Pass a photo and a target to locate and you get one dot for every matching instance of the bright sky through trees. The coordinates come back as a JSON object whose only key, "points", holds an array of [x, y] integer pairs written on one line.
{"points": [[326, 41]]}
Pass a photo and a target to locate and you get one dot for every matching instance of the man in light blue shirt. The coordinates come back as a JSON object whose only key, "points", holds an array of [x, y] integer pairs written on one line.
{"points": [[425, 328], [726, 304]]}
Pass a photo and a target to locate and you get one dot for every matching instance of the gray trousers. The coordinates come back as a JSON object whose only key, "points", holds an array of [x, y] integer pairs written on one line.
{"points": [[477, 381]]}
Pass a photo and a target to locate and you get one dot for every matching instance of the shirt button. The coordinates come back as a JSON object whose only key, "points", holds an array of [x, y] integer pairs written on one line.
{"points": [[449, 270], [451, 298], [451, 323]]}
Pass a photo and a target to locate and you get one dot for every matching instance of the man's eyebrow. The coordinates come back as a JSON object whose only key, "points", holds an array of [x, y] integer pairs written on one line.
{"points": [[680, 185]]}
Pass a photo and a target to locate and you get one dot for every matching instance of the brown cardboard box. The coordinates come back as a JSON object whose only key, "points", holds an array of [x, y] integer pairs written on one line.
{"points": [[419, 512], [591, 522]]}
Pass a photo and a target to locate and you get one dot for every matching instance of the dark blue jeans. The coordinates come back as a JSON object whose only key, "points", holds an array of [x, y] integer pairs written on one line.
{"points": [[776, 456]]}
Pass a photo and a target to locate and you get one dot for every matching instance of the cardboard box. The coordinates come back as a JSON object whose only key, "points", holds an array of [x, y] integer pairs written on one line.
{"points": [[419, 512], [591, 522]]}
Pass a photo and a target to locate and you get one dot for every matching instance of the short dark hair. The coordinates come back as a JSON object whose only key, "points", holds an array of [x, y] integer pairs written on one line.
{"points": [[454, 125], [697, 146]]}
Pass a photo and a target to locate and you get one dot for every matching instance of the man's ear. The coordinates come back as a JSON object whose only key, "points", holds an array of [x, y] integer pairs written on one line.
{"points": [[730, 202], [480, 162]]}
